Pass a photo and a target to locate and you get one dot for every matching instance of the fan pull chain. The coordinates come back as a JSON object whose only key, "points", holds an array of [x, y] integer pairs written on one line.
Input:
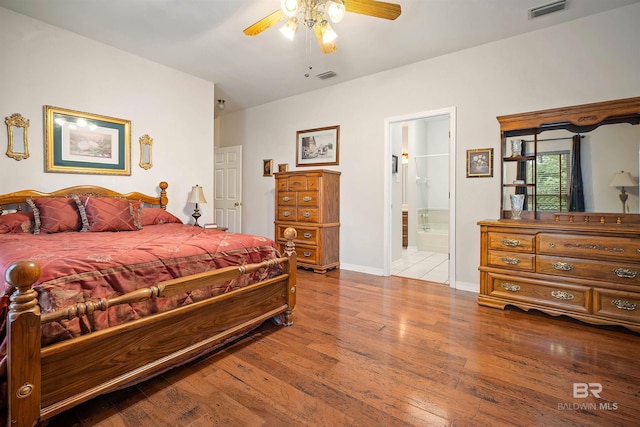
{"points": [[308, 47]]}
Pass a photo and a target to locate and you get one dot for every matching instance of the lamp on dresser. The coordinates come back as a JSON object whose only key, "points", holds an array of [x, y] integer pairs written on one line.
{"points": [[196, 196], [623, 179]]}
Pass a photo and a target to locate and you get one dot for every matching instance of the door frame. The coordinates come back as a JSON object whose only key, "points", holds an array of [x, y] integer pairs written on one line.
{"points": [[388, 183]]}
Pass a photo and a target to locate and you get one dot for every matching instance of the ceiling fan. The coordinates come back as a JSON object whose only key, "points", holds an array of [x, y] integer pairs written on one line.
{"points": [[316, 14]]}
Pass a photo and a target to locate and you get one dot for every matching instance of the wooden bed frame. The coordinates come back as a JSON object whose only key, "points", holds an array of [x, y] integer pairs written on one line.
{"points": [[43, 382]]}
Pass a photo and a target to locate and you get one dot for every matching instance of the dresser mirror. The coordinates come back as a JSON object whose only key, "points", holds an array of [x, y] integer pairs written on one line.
{"points": [[18, 146], [541, 166]]}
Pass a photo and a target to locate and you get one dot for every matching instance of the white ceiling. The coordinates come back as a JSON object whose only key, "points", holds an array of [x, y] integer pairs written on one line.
{"points": [[204, 37]]}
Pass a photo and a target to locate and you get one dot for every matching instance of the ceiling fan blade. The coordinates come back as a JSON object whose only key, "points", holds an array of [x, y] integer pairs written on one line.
{"points": [[264, 23], [378, 9], [324, 47]]}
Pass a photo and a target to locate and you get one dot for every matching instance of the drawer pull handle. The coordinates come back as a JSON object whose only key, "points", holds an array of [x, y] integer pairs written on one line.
{"points": [[307, 199], [511, 287], [511, 242], [306, 214], [552, 245], [286, 213], [565, 296], [562, 266], [286, 198], [625, 273], [307, 235], [510, 260], [624, 305], [307, 254]]}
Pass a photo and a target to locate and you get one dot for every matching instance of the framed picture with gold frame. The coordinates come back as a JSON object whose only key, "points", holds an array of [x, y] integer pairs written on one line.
{"points": [[316, 147], [77, 142], [283, 167], [480, 163], [267, 167]]}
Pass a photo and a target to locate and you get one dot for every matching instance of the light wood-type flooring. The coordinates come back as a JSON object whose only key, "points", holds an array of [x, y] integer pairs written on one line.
{"points": [[374, 351]]}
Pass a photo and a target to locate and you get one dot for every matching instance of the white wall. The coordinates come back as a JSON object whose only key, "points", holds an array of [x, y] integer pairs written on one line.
{"points": [[45, 65], [588, 60]]}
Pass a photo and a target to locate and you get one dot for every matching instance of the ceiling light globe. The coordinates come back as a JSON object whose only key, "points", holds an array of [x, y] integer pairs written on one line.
{"points": [[336, 11], [289, 7]]}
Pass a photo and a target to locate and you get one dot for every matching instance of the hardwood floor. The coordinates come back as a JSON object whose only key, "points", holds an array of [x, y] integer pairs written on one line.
{"points": [[374, 351]]}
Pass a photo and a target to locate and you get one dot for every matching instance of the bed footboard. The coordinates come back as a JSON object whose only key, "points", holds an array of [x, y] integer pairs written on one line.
{"points": [[43, 382]]}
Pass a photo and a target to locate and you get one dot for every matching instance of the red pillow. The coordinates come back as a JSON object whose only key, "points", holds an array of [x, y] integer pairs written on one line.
{"points": [[18, 222], [153, 216], [110, 214], [55, 215]]}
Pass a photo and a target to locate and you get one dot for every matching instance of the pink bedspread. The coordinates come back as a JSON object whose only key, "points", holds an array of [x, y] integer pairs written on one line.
{"points": [[77, 267]]}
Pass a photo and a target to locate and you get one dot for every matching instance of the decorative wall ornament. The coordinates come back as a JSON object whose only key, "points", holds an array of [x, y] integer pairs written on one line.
{"points": [[17, 126], [267, 167], [316, 147], [480, 162], [146, 143]]}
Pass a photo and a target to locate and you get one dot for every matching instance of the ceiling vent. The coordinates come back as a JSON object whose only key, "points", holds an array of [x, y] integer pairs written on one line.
{"points": [[545, 9], [326, 75]]}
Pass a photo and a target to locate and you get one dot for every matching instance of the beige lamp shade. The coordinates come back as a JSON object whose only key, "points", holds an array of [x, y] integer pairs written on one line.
{"points": [[197, 195], [623, 179]]}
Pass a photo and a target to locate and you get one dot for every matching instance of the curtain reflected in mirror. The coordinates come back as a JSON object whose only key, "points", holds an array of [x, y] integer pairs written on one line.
{"points": [[145, 151], [17, 126]]}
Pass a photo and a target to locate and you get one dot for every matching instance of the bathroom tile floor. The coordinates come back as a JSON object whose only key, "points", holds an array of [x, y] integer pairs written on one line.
{"points": [[430, 266]]}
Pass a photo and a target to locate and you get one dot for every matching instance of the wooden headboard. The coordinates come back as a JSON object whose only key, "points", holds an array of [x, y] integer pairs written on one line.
{"points": [[19, 198]]}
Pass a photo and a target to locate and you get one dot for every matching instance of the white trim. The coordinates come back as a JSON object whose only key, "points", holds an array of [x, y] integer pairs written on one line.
{"points": [[361, 269], [386, 245]]}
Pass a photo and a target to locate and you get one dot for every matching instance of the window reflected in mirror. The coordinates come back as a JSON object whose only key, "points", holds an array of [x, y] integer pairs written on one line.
{"points": [[17, 126]]}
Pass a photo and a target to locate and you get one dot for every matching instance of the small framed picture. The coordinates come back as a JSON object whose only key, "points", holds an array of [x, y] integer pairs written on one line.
{"points": [[480, 163], [394, 163], [267, 167], [283, 167]]}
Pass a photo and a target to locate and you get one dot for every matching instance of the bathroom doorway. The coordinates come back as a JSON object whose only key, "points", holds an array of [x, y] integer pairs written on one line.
{"points": [[420, 218]]}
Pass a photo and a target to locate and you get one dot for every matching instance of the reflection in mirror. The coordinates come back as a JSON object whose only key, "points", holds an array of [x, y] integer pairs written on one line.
{"points": [[17, 126], [145, 151]]}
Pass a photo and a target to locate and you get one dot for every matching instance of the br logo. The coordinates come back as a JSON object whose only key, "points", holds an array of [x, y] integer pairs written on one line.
{"points": [[583, 390]]}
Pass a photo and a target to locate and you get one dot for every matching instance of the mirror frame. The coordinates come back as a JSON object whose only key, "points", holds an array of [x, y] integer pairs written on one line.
{"points": [[577, 119], [17, 120], [146, 142]]}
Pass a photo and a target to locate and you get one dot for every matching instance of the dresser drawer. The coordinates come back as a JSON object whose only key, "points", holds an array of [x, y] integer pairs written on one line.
{"points": [[609, 271], [307, 198], [297, 183], [617, 304], [282, 184], [308, 215], [592, 247], [569, 297], [515, 260], [287, 213], [511, 242], [305, 254], [307, 236], [287, 198]]}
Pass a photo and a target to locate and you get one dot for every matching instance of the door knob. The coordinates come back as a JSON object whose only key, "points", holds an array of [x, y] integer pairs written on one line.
{"points": [[237, 204]]}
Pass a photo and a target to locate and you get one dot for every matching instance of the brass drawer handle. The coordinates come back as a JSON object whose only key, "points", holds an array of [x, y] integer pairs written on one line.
{"points": [[286, 198], [307, 254], [565, 296], [625, 273], [562, 266], [307, 235], [286, 213], [306, 214], [510, 260], [624, 305], [511, 287], [511, 242], [307, 199]]}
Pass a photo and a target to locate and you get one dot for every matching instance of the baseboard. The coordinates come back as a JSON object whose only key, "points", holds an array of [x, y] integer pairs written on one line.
{"points": [[467, 286], [362, 269]]}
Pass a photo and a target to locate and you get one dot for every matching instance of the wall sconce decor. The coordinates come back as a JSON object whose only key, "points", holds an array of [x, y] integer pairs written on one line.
{"points": [[623, 179], [145, 151], [17, 126], [196, 196]]}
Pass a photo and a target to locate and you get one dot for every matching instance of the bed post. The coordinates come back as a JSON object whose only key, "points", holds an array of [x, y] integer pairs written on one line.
{"points": [[290, 251], [163, 195], [23, 352]]}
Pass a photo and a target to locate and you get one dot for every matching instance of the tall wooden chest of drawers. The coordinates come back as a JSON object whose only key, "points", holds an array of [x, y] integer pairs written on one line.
{"points": [[590, 272], [309, 201]]}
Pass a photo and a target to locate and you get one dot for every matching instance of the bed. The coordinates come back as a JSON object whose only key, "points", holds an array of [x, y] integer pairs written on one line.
{"points": [[104, 290]]}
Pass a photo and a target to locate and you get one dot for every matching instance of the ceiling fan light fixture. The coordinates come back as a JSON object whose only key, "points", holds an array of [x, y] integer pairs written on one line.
{"points": [[289, 7], [335, 10], [328, 35], [289, 28]]}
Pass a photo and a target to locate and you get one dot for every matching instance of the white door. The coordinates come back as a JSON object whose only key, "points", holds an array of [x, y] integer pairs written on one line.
{"points": [[228, 188]]}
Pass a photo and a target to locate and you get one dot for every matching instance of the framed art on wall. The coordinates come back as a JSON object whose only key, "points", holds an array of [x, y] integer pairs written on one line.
{"points": [[267, 167], [77, 142], [480, 163], [317, 147]]}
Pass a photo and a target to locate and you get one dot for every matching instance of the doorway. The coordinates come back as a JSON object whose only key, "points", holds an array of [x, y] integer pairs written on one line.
{"points": [[420, 196]]}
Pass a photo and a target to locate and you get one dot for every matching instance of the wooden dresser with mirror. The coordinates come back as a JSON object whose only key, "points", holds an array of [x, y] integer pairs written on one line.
{"points": [[574, 249]]}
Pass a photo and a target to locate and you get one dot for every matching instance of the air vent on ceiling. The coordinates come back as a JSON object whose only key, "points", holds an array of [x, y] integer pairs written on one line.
{"points": [[547, 8], [326, 75]]}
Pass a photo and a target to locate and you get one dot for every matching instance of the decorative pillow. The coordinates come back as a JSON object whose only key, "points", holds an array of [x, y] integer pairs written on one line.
{"points": [[18, 222], [55, 215], [153, 216], [111, 214]]}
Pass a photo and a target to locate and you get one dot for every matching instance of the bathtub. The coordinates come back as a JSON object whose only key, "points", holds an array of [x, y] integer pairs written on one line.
{"points": [[432, 230]]}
